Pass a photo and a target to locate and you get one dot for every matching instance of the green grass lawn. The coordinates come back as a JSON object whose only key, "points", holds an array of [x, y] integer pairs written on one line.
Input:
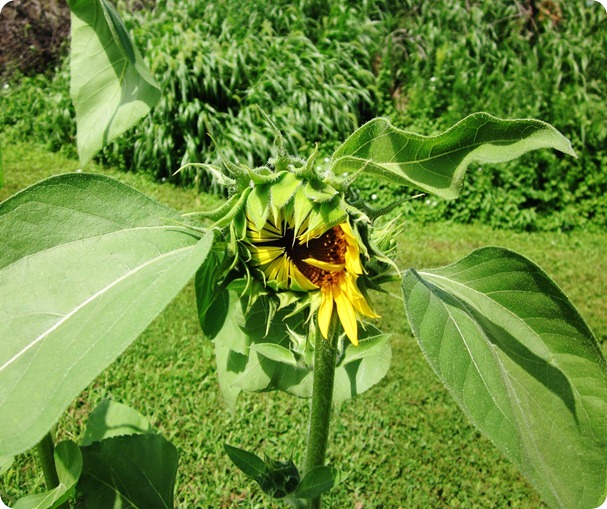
{"points": [[403, 444]]}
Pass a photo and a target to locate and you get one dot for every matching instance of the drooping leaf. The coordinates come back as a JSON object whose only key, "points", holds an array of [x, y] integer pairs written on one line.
{"points": [[364, 365], [521, 362], [276, 353], [75, 298], [68, 464], [358, 369], [237, 366], [111, 419], [131, 471], [111, 88], [317, 481], [437, 164]]}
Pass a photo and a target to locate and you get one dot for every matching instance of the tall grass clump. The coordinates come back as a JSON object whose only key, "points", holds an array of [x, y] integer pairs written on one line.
{"points": [[541, 59], [217, 62]]}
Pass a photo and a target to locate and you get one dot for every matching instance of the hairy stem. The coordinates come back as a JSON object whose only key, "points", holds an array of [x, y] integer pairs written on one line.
{"points": [[325, 353]]}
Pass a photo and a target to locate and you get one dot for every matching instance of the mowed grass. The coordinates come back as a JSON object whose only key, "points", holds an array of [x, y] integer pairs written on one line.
{"points": [[403, 444]]}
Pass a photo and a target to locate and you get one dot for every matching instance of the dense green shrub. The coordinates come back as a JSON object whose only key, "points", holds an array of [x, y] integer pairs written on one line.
{"points": [[216, 62], [39, 108], [541, 59]]}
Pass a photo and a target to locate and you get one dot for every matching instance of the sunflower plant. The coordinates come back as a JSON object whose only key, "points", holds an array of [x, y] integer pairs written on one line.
{"points": [[285, 272], [285, 275], [301, 255]]}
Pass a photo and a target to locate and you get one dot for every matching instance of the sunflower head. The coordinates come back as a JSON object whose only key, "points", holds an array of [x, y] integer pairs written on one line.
{"points": [[292, 229], [308, 245]]}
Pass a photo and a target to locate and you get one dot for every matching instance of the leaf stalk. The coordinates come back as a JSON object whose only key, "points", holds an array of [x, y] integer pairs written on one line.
{"points": [[46, 454], [46, 451]]}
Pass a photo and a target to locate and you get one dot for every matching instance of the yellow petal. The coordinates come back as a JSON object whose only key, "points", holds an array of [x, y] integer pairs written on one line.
{"points": [[353, 264], [278, 271], [264, 255], [352, 250], [358, 299], [301, 282], [345, 310], [347, 229], [319, 264], [325, 310], [270, 230]]}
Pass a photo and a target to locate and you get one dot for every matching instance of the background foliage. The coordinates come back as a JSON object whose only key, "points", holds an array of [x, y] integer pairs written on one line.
{"points": [[543, 59], [320, 69]]}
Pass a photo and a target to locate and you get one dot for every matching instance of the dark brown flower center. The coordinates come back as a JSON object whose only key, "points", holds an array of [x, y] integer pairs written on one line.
{"points": [[330, 247]]}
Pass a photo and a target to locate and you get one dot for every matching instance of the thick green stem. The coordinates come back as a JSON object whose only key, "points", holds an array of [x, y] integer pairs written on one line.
{"points": [[46, 453], [325, 353]]}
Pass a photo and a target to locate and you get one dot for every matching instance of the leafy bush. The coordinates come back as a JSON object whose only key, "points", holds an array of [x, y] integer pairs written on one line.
{"points": [[39, 108], [542, 59], [217, 62]]}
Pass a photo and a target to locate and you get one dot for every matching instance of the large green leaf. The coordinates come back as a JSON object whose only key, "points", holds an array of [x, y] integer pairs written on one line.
{"points": [[76, 297], [522, 364], [68, 464], [71, 207], [132, 471], [110, 86], [437, 164], [260, 352]]}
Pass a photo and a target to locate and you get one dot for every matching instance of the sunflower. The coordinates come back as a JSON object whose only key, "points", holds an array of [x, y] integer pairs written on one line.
{"points": [[291, 259]]}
